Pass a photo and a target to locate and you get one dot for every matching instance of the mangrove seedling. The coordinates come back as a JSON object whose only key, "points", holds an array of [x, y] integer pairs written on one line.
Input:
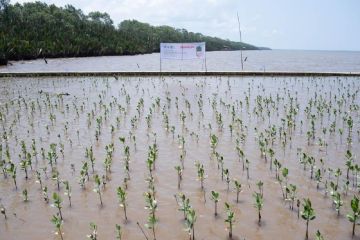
{"points": [[292, 194], [318, 235], [93, 234], [45, 194], [38, 177], [151, 205], [56, 220], [259, 202], [97, 187], [237, 189], [121, 193], [184, 204], [213, 142], [67, 191], [338, 173], [25, 195], [260, 186], [307, 214], [201, 174], [12, 171], [241, 156], [271, 153], [285, 173], [215, 198], [353, 217], [179, 173], [230, 218], [3, 211], [55, 176], [92, 158], [247, 163], [24, 166], [118, 231], [337, 202], [57, 203], [190, 223], [227, 177], [318, 178]]}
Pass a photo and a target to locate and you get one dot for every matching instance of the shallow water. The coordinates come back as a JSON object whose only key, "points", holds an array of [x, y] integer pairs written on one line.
{"points": [[274, 60], [219, 94]]}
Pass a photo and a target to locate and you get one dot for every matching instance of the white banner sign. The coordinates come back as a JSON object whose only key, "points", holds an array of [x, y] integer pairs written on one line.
{"points": [[182, 51]]}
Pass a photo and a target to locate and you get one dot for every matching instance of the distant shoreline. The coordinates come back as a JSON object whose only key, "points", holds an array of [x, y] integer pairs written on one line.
{"points": [[10, 62], [178, 74]]}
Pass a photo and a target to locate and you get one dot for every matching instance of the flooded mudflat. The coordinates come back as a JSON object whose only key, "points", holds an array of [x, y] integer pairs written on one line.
{"points": [[150, 135]]}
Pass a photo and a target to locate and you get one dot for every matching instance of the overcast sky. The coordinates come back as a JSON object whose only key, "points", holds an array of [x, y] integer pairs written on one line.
{"points": [[278, 24]]}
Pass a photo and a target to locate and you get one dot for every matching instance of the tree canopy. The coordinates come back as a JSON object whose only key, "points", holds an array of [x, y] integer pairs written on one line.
{"points": [[33, 30]]}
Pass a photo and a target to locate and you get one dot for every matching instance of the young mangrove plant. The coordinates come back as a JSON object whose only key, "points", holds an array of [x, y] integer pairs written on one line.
{"points": [[151, 205], [12, 171], [338, 173], [353, 217], [97, 187], [190, 223], [200, 173], [230, 218], [57, 203], [259, 203], [56, 220], [118, 231], [3, 211], [215, 197], [308, 214], [349, 163], [38, 179], [25, 195], [45, 194], [260, 185], [93, 234], [184, 203], [337, 202], [24, 164], [285, 173], [67, 191], [227, 177], [238, 190], [318, 235], [213, 142], [291, 192], [90, 155], [247, 163], [121, 193], [318, 178], [56, 177], [179, 174]]}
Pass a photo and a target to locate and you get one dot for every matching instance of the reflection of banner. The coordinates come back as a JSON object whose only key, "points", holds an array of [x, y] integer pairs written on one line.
{"points": [[182, 51]]}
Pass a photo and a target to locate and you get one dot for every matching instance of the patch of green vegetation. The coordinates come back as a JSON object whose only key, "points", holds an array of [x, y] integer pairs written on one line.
{"points": [[38, 30]]}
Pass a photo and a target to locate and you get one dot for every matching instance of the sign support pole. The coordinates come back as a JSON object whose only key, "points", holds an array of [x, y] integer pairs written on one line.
{"points": [[160, 63], [205, 63], [242, 62]]}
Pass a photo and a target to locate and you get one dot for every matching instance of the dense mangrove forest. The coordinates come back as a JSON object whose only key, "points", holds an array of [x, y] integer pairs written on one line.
{"points": [[39, 30]]}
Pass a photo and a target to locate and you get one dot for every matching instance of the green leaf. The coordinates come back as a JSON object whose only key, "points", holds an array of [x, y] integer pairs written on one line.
{"points": [[351, 218]]}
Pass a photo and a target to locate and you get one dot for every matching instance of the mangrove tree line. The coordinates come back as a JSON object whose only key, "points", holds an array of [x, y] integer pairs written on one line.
{"points": [[33, 30]]}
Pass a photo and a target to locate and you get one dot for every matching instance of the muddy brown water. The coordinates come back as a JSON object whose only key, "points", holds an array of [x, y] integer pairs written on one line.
{"points": [[31, 220]]}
